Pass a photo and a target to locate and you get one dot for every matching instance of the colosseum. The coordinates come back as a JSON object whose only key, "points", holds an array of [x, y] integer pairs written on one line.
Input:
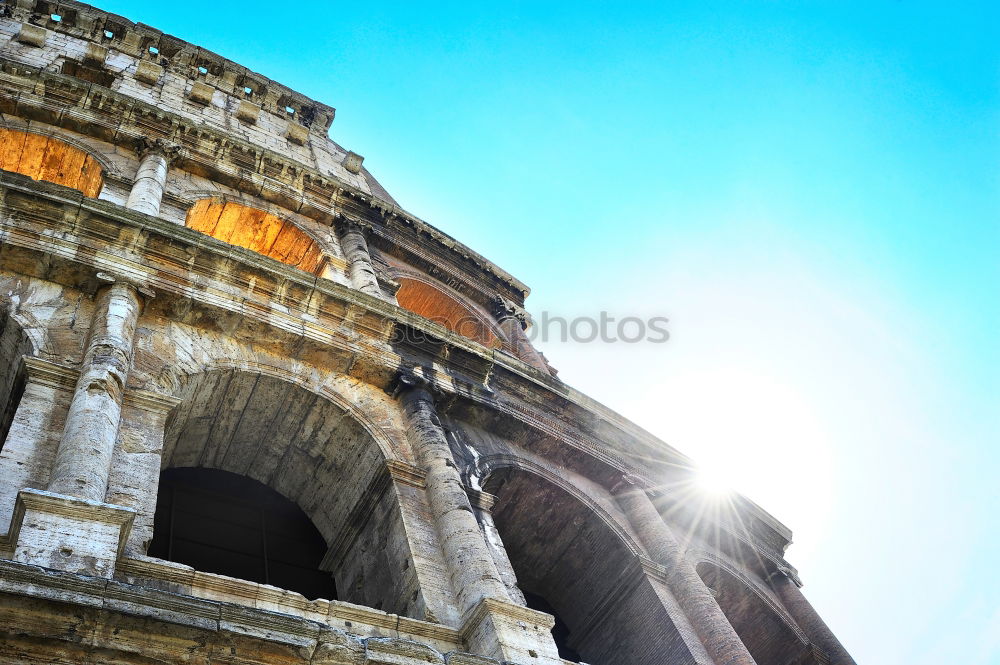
{"points": [[252, 411]]}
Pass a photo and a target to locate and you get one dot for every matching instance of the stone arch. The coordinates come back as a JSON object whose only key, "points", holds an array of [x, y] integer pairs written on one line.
{"points": [[111, 168], [51, 158], [435, 301], [487, 468], [310, 447], [769, 635], [258, 230], [583, 565]]}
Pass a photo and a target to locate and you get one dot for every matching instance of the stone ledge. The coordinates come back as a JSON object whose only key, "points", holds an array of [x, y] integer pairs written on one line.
{"points": [[200, 586], [305, 641]]}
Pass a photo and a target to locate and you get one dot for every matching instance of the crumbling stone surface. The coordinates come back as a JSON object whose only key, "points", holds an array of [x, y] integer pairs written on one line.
{"points": [[470, 503]]}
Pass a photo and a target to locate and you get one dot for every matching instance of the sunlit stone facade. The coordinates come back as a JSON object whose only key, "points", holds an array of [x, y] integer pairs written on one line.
{"points": [[252, 411]]}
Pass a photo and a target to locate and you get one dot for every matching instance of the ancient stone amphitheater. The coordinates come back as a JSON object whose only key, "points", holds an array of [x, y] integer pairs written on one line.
{"points": [[252, 411]]}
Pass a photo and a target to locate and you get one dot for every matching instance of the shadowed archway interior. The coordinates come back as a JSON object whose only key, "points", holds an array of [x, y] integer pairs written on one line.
{"points": [[219, 522], [569, 562], [768, 639], [13, 344], [315, 454]]}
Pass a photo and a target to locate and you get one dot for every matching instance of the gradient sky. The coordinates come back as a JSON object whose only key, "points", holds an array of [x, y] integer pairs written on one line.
{"points": [[809, 191]]}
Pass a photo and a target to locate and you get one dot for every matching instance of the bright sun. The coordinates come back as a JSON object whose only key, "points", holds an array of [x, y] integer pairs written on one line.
{"points": [[713, 480]]}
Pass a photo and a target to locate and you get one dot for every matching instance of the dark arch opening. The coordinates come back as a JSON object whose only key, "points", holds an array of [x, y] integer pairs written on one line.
{"points": [[13, 344], [768, 639], [221, 522], [560, 631], [570, 563]]}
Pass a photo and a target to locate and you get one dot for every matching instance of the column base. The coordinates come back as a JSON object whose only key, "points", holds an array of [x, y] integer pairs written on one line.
{"points": [[68, 534], [510, 633]]}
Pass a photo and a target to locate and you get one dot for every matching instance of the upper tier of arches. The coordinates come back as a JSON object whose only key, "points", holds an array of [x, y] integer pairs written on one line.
{"points": [[257, 230]]}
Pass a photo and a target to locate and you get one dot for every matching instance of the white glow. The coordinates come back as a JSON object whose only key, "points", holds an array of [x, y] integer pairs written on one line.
{"points": [[714, 481]]}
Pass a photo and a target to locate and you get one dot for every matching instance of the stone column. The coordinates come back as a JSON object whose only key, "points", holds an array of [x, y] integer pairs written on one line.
{"points": [[808, 619], [83, 460], [512, 321], [710, 623], [473, 571], [482, 504], [359, 259], [492, 625], [150, 179]]}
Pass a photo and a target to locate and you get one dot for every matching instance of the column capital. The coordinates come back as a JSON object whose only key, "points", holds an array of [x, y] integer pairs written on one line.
{"points": [[344, 225], [48, 373], [146, 146], [785, 572], [505, 309], [407, 474], [107, 279], [481, 500], [629, 483]]}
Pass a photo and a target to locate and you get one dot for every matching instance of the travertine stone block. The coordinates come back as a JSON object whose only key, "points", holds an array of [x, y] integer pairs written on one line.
{"points": [[95, 55], [510, 632], [297, 134], [711, 625], [69, 534], [135, 466], [32, 35], [201, 93], [247, 111], [390, 651], [352, 162], [148, 72]]}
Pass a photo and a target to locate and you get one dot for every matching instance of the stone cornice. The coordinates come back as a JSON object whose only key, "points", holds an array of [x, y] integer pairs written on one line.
{"points": [[481, 500], [48, 373], [150, 401], [406, 474]]}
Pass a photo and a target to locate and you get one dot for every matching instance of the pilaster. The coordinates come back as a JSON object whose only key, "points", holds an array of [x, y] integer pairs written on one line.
{"points": [[28, 451]]}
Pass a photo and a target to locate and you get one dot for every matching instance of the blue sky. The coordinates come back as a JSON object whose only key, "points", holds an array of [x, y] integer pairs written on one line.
{"points": [[809, 191]]}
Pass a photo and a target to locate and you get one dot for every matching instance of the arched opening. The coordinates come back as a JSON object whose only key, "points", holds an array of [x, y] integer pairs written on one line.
{"points": [[14, 343], [316, 454], [219, 522], [47, 158], [578, 568], [258, 231], [767, 637], [440, 307]]}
